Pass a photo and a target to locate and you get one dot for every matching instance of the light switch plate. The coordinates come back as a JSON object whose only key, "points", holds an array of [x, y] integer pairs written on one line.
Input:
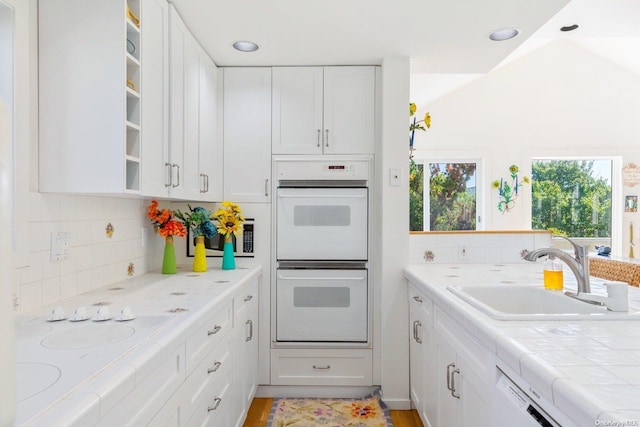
{"points": [[60, 245], [395, 177]]}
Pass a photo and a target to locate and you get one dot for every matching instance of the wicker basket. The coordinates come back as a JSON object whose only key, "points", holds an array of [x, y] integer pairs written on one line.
{"points": [[615, 270]]}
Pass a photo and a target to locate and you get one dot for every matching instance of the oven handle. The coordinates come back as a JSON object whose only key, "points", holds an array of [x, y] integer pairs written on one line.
{"points": [[323, 196], [319, 278]]}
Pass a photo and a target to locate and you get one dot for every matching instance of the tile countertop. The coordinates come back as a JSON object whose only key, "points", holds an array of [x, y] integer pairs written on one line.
{"points": [[589, 369], [72, 372]]}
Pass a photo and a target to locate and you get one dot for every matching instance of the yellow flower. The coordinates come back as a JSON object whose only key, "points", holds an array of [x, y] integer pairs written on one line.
{"points": [[495, 184], [412, 109], [513, 169], [525, 179], [427, 120]]}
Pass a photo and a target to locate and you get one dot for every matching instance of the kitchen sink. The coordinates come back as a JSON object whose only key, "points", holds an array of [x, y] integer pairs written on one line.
{"points": [[530, 302]]}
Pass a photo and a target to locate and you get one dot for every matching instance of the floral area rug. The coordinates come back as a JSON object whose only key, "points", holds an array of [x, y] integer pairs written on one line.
{"points": [[366, 412]]}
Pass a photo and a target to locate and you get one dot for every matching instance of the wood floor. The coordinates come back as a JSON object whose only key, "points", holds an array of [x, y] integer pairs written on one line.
{"points": [[260, 408]]}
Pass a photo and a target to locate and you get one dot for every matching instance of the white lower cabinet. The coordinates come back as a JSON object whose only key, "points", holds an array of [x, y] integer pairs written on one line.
{"points": [[451, 372], [211, 377]]}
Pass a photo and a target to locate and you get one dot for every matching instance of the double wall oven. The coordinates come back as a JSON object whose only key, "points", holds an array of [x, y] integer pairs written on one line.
{"points": [[322, 294]]}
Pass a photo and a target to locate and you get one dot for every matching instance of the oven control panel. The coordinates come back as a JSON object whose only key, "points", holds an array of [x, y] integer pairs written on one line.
{"points": [[322, 169]]}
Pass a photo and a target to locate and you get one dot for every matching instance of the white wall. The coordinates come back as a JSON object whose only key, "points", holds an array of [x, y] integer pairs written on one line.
{"points": [[392, 206], [559, 100]]}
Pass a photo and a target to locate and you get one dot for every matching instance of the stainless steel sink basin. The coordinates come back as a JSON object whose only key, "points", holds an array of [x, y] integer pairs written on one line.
{"points": [[527, 302]]}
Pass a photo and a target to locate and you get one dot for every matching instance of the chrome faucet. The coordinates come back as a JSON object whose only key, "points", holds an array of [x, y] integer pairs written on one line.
{"points": [[579, 264]]}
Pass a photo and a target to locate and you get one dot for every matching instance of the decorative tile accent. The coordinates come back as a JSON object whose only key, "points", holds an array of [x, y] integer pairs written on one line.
{"points": [[130, 269], [429, 255], [109, 230], [177, 310]]}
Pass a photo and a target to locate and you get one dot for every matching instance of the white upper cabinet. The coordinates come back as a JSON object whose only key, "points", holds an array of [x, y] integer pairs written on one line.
{"points": [[323, 110], [247, 134], [195, 171], [155, 92], [89, 96]]}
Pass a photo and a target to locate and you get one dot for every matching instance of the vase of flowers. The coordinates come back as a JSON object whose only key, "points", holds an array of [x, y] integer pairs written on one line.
{"points": [[198, 220], [229, 224], [166, 226]]}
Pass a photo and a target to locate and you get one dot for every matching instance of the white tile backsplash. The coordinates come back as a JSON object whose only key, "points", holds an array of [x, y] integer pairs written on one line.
{"points": [[483, 248], [95, 260]]}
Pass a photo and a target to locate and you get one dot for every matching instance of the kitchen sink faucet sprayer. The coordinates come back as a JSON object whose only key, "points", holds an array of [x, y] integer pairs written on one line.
{"points": [[579, 264]]}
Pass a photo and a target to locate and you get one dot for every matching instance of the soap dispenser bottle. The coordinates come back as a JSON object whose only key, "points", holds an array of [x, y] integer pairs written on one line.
{"points": [[552, 273]]}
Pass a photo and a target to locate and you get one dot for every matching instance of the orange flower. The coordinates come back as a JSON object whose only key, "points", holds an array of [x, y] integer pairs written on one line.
{"points": [[360, 411], [173, 228]]}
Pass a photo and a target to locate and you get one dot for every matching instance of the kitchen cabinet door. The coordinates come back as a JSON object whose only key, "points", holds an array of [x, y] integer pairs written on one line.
{"points": [[297, 110], [329, 110], [155, 96], [210, 159], [178, 40], [349, 110], [247, 134]]}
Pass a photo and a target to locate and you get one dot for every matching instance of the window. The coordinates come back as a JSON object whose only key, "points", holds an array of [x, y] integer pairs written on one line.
{"points": [[573, 198], [452, 200]]}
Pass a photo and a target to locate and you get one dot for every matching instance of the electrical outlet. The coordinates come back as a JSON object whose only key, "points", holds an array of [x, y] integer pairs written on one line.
{"points": [[60, 246], [463, 251]]}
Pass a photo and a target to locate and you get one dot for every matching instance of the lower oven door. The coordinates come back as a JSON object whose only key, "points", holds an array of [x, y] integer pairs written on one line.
{"points": [[322, 306]]}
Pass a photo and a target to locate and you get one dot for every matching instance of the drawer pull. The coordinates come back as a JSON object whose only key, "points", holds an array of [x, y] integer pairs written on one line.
{"points": [[322, 367], [215, 330], [449, 375], [216, 366], [248, 298], [417, 298], [216, 403]]}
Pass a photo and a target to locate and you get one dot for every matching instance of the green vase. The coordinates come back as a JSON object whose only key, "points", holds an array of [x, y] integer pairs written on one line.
{"points": [[228, 260], [169, 259]]}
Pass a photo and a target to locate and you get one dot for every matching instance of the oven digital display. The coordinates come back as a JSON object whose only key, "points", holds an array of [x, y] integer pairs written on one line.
{"points": [[336, 167]]}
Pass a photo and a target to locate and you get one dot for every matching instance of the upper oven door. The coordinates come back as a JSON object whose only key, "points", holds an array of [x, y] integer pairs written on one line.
{"points": [[321, 224]]}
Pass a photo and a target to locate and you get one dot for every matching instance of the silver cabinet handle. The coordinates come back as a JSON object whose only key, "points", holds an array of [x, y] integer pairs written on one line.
{"points": [[250, 323], [174, 165], [326, 139], [449, 366], [266, 187], [248, 298], [453, 384], [417, 299], [202, 183], [168, 172], [206, 180], [215, 367], [319, 136], [322, 367], [215, 330], [216, 403], [416, 325]]}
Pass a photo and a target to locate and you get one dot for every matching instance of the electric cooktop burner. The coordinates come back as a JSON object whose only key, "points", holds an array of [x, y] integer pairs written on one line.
{"points": [[89, 336], [34, 378]]}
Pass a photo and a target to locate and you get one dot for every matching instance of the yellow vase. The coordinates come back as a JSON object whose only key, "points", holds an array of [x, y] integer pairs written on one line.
{"points": [[200, 257]]}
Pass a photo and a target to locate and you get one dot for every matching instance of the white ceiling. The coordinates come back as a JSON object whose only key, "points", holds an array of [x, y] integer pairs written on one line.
{"points": [[445, 39], [441, 36]]}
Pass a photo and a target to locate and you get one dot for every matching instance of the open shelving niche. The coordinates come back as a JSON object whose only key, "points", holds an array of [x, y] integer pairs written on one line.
{"points": [[133, 99]]}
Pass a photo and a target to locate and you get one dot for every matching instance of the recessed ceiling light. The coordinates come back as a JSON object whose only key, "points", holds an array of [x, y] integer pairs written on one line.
{"points": [[245, 46], [504, 34], [569, 27]]}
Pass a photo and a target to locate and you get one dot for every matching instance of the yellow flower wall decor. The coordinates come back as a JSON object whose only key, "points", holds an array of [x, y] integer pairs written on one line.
{"points": [[508, 189]]}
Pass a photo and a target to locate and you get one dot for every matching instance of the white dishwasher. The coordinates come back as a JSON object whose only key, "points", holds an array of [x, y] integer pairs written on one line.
{"points": [[512, 406]]}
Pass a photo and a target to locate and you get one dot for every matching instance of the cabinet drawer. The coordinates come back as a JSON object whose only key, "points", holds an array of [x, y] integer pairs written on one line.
{"points": [[246, 299], [207, 376], [139, 406], [207, 336], [215, 410], [321, 367], [419, 300]]}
